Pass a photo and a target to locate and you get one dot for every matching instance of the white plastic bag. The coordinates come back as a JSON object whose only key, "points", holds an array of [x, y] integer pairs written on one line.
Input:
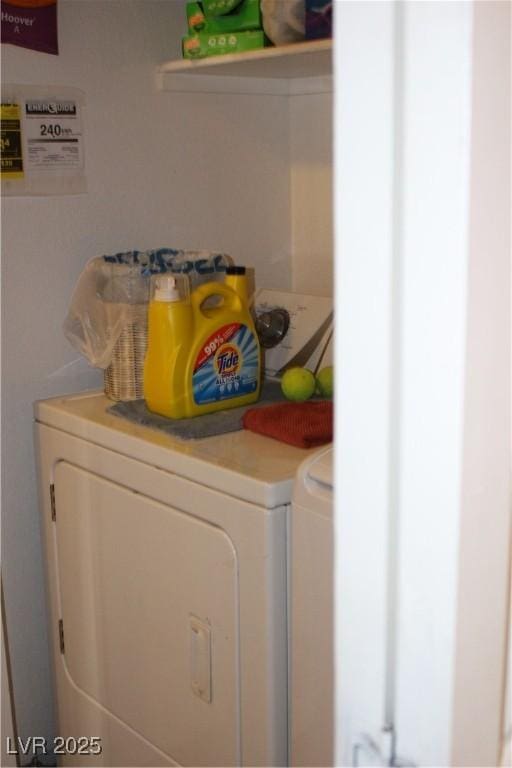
{"points": [[109, 286]]}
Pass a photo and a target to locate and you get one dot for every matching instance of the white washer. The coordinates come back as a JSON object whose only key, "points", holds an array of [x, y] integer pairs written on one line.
{"points": [[166, 567], [311, 613]]}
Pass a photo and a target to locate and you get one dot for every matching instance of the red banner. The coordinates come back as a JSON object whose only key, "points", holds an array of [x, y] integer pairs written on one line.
{"points": [[30, 24], [213, 342]]}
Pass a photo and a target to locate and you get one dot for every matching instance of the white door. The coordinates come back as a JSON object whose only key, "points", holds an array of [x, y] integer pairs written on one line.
{"points": [[422, 233], [149, 606]]}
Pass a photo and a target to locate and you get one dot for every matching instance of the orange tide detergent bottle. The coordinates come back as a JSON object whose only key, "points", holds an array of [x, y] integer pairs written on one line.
{"points": [[201, 357]]}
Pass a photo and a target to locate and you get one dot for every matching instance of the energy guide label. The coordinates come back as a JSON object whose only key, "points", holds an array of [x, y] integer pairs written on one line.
{"points": [[53, 133]]}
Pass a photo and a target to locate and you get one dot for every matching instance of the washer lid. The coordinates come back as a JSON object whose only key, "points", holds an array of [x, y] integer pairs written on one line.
{"points": [[320, 469], [313, 487]]}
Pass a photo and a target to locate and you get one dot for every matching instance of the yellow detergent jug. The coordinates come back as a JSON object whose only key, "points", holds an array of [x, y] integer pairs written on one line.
{"points": [[201, 357]]}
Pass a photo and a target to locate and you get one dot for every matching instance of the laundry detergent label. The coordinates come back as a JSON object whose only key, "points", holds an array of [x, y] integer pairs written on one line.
{"points": [[227, 365]]}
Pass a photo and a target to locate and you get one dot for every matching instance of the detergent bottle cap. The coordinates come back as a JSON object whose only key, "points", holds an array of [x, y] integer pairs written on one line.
{"points": [[166, 288], [237, 279]]}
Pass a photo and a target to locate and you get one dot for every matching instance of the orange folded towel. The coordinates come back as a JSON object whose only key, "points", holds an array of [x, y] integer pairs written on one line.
{"points": [[305, 425]]}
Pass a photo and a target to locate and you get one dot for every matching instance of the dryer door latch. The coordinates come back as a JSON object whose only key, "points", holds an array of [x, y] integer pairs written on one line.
{"points": [[61, 636], [200, 658], [52, 502]]}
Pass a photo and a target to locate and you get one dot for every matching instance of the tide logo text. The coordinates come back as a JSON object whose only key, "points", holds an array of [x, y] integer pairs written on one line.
{"points": [[227, 361]]}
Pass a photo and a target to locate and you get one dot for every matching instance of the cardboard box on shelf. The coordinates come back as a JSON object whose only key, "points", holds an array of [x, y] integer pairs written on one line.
{"points": [[202, 45], [219, 7], [196, 19], [245, 16]]}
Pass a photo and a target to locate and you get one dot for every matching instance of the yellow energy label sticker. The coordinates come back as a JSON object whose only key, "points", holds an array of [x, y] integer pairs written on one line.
{"points": [[10, 142]]}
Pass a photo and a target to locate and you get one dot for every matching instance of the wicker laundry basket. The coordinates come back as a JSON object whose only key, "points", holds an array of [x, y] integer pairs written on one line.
{"points": [[110, 304], [124, 377]]}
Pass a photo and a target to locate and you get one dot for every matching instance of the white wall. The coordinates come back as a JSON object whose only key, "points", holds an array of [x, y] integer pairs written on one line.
{"points": [[162, 169], [311, 194]]}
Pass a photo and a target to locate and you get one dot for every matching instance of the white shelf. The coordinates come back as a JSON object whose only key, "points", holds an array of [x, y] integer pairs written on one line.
{"points": [[298, 68]]}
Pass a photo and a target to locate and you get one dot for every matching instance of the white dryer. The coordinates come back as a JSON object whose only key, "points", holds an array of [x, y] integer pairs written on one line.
{"points": [[311, 614], [166, 567]]}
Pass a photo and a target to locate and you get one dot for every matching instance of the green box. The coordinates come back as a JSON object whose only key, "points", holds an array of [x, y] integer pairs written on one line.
{"points": [[245, 16], [196, 19], [219, 7], [203, 45]]}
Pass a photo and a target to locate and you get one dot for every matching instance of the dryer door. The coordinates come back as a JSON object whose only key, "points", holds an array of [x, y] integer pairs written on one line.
{"points": [[150, 625]]}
